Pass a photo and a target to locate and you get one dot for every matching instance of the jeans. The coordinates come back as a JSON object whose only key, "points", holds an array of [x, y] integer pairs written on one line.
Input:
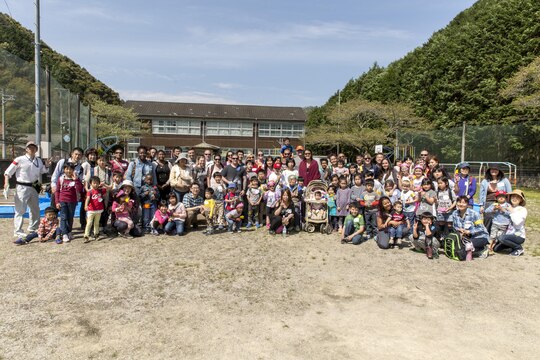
{"points": [[67, 213], [371, 223], [397, 232], [34, 235], [175, 227], [510, 241], [180, 194], [232, 225], [349, 229], [147, 215]]}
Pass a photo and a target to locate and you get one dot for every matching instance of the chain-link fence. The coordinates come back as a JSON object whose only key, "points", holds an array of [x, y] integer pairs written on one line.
{"points": [[517, 144], [66, 121]]}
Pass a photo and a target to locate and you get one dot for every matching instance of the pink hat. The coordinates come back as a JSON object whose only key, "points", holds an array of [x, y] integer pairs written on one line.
{"points": [[419, 167], [277, 166], [240, 205]]}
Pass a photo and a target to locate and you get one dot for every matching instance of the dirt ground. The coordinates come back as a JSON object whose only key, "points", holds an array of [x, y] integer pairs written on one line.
{"points": [[256, 296]]}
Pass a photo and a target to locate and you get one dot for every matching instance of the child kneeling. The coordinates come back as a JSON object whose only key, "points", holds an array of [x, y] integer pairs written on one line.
{"points": [[234, 218]]}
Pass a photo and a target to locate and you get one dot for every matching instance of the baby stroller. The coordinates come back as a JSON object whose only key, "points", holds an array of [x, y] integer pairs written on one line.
{"points": [[316, 210]]}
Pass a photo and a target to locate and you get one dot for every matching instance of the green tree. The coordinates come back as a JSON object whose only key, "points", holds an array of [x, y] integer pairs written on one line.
{"points": [[116, 120]]}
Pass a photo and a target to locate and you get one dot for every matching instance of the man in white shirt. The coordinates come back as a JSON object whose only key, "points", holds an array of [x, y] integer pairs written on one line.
{"points": [[27, 170]]}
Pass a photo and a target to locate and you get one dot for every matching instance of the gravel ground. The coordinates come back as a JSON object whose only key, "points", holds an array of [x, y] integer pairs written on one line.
{"points": [[256, 296]]}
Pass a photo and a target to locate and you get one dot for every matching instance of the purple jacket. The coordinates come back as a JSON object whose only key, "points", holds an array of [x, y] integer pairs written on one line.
{"points": [[466, 186]]}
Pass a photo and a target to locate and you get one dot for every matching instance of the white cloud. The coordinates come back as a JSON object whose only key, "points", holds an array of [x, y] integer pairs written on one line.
{"points": [[227, 86], [189, 97]]}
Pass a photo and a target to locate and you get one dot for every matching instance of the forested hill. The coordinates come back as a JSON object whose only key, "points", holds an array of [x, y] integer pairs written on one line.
{"points": [[19, 41], [458, 73]]}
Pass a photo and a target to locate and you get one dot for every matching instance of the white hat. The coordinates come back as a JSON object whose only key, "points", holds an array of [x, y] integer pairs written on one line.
{"points": [[127, 183]]}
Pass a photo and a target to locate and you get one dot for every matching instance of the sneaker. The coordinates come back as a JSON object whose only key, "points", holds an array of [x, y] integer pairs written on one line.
{"points": [[268, 226], [248, 225], [86, 239], [65, 238], [70, 236], [297, 228], [20, 241], [257, 225], [517, 252], [220, 228], [154, 232], [58, 241], [391, 243], [484, 254], [209, 232], [399, 242], [271, 232], [96, 237], [20, 234]]}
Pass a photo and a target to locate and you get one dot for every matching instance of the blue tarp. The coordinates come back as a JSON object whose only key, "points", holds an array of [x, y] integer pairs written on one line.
{"points": [[8, 211]]}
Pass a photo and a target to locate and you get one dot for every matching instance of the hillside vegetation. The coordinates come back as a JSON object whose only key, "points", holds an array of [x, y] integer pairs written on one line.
{"points": [[19, 41], [457, 75]]}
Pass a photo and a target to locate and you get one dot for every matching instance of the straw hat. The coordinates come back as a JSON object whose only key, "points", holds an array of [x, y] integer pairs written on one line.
{"points": [[520, 194]]}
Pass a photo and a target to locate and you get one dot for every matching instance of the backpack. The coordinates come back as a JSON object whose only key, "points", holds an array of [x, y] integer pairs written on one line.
{"points": [[454, 248]]}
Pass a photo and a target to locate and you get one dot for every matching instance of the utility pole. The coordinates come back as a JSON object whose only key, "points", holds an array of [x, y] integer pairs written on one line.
{"points": [[37, 58], [339, 117], [5, 99], [463, 141]]}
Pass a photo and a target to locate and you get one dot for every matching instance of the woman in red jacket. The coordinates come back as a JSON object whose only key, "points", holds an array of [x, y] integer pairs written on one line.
{"points": [[309, 168]]}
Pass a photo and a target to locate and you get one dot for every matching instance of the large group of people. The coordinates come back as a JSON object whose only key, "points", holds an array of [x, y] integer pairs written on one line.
{"points": [[406, 202]]}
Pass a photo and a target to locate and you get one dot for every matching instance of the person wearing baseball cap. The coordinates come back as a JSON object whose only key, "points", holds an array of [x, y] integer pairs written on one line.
{"points": [[27, 170], [515, 235], [499, 217]]}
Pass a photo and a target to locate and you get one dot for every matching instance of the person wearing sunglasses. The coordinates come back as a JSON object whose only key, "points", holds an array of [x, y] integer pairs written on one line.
{"points": [[118, 163], [234, 173]]}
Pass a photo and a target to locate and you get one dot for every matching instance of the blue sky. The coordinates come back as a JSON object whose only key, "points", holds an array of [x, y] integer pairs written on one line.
{"points": [[289, 53]]}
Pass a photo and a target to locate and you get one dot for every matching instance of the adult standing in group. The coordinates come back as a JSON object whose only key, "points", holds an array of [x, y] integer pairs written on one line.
{"points": [[217, 166], [75, 158], [379, 157], [515, 236], [162, 170], [200, 173], [299, 155], [368, 165], [118, 163], [494, 181], [89, 170], [181, 178], [192, 158], [139, 168], [208, 160], [27, 170], [469, 225], [177, 150], [387, 172], [309, 168], [235, 173]]}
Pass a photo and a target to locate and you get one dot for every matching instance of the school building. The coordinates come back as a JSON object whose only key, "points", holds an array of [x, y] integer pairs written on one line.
{"points": [[247, 127]]}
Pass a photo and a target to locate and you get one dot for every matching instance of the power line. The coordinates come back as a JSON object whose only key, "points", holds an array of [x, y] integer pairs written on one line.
{"points": [[8, 9]]}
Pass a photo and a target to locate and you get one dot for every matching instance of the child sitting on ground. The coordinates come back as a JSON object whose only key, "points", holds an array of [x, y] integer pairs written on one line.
{"points": [[234, 218], [122, 210], [353, 227], [501, 219], [47, 230], [177, 216], [396, 232], [160, 219], [424, 239]]}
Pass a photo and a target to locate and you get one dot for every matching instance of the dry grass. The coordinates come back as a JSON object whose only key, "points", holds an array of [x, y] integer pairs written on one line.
{"points": [[253, 296]]}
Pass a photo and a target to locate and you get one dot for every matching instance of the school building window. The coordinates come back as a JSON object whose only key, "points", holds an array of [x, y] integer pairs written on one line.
{"points": [[281, 130], [222, 128], [176, 127]]}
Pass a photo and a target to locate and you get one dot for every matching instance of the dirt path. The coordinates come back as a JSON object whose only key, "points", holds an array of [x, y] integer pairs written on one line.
{"points": [[252, 296]]}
